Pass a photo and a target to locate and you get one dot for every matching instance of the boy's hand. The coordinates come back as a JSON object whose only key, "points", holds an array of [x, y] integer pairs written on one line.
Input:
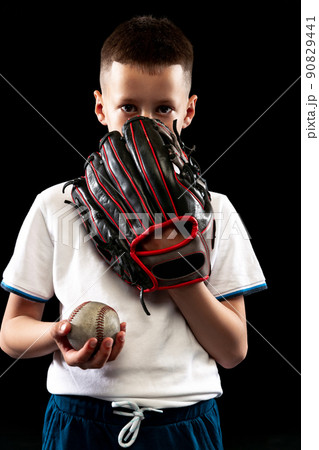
{"points": [[170, 237], [84, 358]]}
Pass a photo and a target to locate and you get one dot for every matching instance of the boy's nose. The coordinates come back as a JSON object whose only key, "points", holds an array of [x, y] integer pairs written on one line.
{"points": [[147, 113]]}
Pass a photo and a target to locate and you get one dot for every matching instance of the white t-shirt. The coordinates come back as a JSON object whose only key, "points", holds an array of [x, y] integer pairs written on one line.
{"points": [[162, 364]]}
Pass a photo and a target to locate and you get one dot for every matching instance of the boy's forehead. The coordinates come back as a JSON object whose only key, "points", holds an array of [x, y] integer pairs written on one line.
{"points": [[129, 75]]}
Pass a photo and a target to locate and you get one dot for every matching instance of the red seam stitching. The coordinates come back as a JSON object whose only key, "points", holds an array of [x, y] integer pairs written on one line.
{"points": [[92, 218], [91, 192], [131, 180], [146, 177], [100, 324], [159, 168], [104, 188], [76, 310], [120, 188]]}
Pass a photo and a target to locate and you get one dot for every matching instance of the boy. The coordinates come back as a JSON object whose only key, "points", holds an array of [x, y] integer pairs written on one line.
{"points": [[167, 367]]}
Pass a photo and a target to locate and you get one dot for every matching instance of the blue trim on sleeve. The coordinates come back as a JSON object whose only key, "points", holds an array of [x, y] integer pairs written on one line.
{"points": [[21, 293], [247, 291]]}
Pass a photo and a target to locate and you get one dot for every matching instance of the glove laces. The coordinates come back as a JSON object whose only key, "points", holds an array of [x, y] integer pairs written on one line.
{"points": [[129, 432]]}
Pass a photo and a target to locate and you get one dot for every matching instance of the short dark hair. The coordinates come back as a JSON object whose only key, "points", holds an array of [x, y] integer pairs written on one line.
{"points": [[150, 43]]}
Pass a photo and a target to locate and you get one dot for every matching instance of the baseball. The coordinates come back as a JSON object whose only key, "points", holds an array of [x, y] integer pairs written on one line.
{"points": [[92, 319]]}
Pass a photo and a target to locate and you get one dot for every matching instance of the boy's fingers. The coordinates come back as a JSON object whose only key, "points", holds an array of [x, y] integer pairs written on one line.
{"points": [[85, 357], [107, 352], [80, 358], [119, 344], [102, 355]]}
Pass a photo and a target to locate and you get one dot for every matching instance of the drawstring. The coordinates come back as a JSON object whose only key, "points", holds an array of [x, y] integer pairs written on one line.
{"points": [[132, 428]]}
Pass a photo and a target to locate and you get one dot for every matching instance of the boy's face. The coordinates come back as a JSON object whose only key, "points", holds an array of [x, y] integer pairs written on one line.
{"points": [[127, 91]]}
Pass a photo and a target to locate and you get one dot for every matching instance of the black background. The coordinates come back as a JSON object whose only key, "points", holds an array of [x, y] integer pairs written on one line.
{"points": [[246, 56]]}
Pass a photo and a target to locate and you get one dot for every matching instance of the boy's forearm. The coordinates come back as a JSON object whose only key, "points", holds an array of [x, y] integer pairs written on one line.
{"points": [[219, 329], [26, 337]]}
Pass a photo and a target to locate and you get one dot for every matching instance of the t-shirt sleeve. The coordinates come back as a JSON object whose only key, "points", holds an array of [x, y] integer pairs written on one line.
{"points": [[29, 272], [235, 268]]}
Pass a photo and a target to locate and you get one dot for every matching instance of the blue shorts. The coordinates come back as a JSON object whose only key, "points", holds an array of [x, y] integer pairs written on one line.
{"points": [[74, 422]]}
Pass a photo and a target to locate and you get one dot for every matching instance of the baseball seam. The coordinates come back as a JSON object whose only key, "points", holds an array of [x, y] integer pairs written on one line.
{"points": [[100, 324], [76, 310]]}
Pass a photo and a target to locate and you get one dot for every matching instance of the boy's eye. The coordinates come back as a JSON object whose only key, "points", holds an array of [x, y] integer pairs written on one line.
{"points": [[163, 109], [128, 108]]}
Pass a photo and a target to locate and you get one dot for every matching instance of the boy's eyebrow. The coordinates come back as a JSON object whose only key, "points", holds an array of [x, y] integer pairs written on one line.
{"points": [[129, 100], [168, 100], [126, 100]]}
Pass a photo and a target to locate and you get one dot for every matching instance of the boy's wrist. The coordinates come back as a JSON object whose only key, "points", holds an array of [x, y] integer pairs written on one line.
{"points": [[188, 293]]}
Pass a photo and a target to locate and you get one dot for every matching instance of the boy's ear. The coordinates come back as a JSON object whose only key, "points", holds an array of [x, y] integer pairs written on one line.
{"points": [[99, 108], [190, 112]]}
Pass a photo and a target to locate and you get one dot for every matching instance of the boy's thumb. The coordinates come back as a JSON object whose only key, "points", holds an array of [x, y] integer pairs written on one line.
{"points": [[61, 328], [65, 327]]}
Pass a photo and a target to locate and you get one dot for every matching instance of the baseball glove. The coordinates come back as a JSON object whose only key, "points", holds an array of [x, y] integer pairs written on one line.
{"points": [[136, 186]]}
